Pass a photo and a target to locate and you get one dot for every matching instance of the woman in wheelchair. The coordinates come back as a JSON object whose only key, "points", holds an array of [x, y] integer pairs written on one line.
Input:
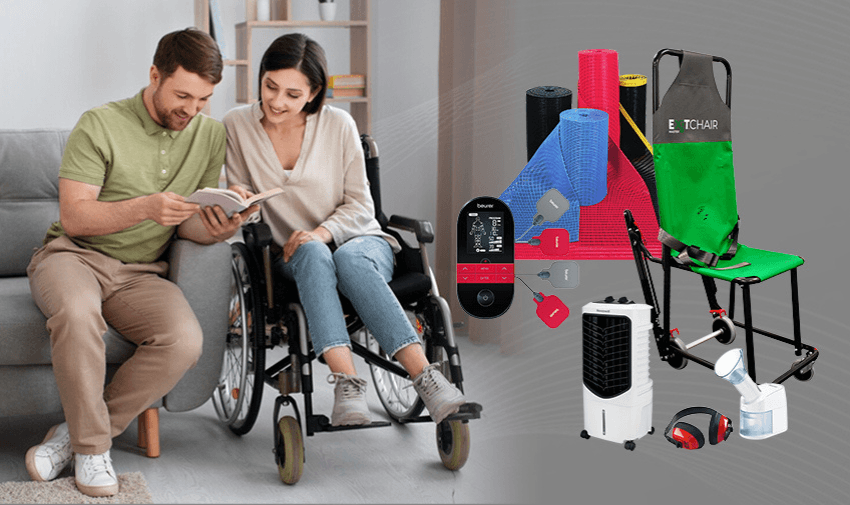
{"points": [[324, 227]]}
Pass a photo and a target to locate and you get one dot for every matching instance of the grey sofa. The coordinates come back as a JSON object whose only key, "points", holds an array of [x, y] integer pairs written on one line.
{"points": [[29, 168]]}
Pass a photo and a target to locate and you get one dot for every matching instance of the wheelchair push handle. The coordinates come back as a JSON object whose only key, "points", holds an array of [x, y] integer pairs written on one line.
{"points": [[680, 54]]}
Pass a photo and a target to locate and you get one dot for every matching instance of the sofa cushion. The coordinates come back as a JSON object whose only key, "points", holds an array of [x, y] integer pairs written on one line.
{"points": [[25, 340], [29, 192]]}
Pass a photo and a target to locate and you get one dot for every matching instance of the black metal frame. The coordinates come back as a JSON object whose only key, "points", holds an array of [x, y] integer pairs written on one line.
{"points": [[662, 330]]}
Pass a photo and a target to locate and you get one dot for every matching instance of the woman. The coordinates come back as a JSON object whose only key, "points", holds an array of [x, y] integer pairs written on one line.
{"points": [[324, 225]]}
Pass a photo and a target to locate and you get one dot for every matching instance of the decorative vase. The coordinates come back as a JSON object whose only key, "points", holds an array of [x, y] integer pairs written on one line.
{"points": [[327, 10], [264, 9]]}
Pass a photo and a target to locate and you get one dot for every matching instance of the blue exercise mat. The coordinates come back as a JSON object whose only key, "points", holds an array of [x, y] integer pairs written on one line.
{"points": [[574, 160]]}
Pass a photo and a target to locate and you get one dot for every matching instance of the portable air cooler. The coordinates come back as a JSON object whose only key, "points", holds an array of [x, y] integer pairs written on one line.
{"points": [[615, 353]]}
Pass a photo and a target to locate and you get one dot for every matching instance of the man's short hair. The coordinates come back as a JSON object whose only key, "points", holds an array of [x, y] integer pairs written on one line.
{"points": [[191, 49]]}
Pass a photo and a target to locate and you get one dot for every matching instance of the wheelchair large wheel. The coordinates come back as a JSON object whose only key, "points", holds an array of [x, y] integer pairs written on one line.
{"points": [[395, 392], [453, 443], [289, 450], [239, 392]]}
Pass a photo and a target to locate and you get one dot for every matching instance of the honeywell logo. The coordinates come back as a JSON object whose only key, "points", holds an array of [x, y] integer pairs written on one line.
{"points": [[679, 125]]}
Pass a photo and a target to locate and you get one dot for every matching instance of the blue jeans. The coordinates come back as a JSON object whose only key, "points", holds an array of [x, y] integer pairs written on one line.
{"points": [[360, 269]]}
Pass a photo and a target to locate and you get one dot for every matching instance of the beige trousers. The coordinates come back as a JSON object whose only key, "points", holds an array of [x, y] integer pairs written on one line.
{"points": [[81, 291]]}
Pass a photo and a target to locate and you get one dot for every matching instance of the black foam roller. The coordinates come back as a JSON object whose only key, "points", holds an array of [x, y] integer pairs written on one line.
{"points": [[633, 100], [543, 105]]}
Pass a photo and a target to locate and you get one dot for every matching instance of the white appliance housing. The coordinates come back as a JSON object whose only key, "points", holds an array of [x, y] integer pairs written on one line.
{"points": [[617, 390]]}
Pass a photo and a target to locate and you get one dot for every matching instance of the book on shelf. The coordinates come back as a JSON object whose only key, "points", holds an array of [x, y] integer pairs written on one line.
{"points": [[347, 81], [346, 92], [229, 200]]}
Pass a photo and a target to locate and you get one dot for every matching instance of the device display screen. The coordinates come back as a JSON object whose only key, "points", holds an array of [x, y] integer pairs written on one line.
{"points": [[486, 232]]}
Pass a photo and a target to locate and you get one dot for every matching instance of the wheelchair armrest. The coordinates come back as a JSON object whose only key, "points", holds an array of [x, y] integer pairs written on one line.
{"points": [[203, 274], [421, 228], [257, 235]]}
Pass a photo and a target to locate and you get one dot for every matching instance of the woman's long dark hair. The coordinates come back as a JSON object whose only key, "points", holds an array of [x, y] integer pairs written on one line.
{"points": [[298, 51]]}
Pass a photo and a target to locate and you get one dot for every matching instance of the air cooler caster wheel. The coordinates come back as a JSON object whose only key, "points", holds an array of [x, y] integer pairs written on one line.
{"points": [[629, 445], [585, 435], [289, 450], [453, 443]]}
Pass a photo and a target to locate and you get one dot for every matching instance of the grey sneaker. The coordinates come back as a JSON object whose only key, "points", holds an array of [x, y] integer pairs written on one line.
{"points": [[441, 397], [47, 460], [350, 407]]}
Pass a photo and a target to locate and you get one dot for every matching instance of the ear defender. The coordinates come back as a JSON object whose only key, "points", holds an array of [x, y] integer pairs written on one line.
{"points": [[687, 436]]}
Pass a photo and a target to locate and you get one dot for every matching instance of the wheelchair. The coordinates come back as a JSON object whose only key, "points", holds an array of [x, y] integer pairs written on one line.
{"points": [[700, 224], [265, 313]]}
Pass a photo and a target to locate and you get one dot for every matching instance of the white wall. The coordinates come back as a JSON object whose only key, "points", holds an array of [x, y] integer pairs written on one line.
{"points": [[61, 58]]}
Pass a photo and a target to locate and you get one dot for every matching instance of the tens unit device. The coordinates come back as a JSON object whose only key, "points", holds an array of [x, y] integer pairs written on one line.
{"points": [[485, 257], [617, 389]]}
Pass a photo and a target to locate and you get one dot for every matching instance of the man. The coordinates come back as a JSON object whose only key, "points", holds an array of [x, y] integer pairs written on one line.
{"points": [[125, 173]]}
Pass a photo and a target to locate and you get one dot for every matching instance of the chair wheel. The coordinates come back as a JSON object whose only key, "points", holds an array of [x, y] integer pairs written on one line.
{"points": [[728, 327], [289, 450], [629, 445], [585, 435], [676, 360], [453, 443], [806, 373]]}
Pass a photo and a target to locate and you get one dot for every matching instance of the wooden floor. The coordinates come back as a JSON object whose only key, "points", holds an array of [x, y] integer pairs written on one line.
{"points": [[202, 462]]}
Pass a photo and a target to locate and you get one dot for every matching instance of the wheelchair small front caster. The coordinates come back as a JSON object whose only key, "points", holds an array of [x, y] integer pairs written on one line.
{"points": [[585, 435], [289, 450], [629, 445], [453, 443]]}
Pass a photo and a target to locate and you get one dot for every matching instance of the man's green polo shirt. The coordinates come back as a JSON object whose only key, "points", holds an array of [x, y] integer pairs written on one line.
{"points": [[120, 148]]}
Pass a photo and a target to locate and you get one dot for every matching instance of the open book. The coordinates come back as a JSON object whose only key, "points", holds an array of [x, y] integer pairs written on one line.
{"points": [[228, 200]]}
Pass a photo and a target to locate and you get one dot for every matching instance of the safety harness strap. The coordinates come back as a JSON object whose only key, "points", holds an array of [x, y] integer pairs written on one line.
{"points": [[689, 253]]}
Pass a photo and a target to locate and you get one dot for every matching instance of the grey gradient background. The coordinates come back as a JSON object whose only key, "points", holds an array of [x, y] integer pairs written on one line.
{"points": [[790, 130], [790, 138]]}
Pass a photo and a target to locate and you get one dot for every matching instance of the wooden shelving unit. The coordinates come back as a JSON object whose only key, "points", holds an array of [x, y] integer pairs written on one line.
{"points": [[360, 61]]}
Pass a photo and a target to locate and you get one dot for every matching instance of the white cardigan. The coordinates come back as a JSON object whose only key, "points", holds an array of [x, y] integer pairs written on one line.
{"points": [[327, 186]]}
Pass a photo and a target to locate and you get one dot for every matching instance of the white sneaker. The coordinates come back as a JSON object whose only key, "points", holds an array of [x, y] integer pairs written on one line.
{"points": [[47, 460], [95, 475], [441, 397], [350, 407]]}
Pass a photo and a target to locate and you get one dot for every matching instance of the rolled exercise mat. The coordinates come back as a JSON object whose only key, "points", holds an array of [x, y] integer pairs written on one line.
{"points": [[584, 147], [633, 130], [602, 228], [599, 85], [545, 170], [543, 105]]}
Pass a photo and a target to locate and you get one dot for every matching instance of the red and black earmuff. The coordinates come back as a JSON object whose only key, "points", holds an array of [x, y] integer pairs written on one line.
{"points": [[684, 435]]}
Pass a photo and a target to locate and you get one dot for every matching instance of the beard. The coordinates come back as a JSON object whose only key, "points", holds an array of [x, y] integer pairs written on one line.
{"points": [[169, 118]]}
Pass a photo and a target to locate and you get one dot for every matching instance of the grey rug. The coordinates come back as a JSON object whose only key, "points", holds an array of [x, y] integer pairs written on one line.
{"points": [[132, 488]]}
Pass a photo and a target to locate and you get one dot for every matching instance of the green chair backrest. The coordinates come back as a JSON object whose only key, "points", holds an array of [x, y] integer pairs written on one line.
{"points": [[692, 144]]}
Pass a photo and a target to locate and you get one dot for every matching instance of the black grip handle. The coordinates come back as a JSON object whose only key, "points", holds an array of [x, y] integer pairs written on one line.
{"points": [[421, 228]]}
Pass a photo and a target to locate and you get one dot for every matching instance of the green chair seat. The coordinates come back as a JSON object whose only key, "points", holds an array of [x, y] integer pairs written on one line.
{"points": [[762, 264]]}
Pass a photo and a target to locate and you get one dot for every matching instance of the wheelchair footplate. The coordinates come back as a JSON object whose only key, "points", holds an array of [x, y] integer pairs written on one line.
{"points": [[322, 423], [468, 411]]}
